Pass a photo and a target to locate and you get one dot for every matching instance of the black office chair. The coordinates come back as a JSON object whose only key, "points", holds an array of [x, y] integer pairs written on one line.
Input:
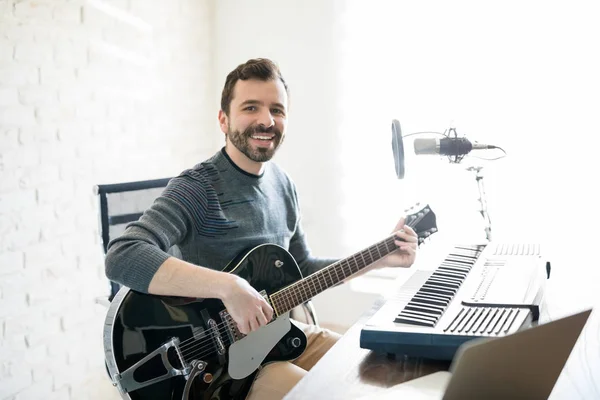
{"points": [[123, 203]]}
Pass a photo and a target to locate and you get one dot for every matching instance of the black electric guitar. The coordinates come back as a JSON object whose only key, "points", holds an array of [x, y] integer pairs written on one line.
{"points": [[160, 347]]}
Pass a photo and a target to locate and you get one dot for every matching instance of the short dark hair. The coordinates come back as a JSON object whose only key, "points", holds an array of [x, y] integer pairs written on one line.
{"points": [[258, 68]]}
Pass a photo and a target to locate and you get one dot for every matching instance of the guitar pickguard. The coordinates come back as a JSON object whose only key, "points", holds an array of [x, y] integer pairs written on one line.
{"points": [[246, 355]]}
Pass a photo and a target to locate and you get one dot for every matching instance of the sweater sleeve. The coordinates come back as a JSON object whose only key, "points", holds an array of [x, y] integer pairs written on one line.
{"points": [[134, 257]]}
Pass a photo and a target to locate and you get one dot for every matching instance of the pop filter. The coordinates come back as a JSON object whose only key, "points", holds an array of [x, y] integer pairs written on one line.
{"points": [[398, 148]]}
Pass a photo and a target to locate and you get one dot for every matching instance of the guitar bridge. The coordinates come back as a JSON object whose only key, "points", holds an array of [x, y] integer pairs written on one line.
{"points": [[126, 382]]}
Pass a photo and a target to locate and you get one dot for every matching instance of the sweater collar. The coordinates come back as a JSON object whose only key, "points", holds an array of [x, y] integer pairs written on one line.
{"points": [[247, 175]]}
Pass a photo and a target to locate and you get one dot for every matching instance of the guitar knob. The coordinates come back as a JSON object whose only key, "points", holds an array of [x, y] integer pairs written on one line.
{"points": [[295, 342]]}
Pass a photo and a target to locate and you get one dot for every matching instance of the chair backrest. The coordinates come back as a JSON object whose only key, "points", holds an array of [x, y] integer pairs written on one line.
{"points": [[121, 204]]}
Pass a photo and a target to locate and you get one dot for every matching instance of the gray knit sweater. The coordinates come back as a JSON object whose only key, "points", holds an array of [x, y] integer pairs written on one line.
{"points": [[212, 212]]}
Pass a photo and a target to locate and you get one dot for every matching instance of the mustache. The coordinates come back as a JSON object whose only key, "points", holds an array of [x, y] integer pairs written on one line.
{"points": [[254, 129]]}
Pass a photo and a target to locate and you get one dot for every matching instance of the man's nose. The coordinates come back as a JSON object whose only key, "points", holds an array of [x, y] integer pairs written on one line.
{"points": [[265, 118]]}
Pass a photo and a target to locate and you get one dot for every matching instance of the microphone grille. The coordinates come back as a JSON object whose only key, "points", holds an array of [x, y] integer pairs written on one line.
{"points": [[426, 146]]}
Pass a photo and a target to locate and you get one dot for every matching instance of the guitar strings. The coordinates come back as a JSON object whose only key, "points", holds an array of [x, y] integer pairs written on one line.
{"points": [[298, 290], [195, 345]]}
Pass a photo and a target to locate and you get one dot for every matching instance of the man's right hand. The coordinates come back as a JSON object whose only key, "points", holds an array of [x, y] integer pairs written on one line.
{"points": [[246, 306]]}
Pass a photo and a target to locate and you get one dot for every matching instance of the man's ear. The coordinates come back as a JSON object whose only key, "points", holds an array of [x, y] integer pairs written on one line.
{"points": [[223, 122]]}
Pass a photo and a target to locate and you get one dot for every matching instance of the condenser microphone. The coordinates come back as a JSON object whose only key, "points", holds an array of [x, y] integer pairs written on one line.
{"points": [[454, 147]]}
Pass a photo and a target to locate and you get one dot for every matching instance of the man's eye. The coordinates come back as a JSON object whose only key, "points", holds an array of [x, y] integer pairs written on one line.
{"points": [[277, 111], [250, 108]]}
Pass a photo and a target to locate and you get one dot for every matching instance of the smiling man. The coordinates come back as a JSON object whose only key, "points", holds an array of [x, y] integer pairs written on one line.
{"points": [[234, 201]]}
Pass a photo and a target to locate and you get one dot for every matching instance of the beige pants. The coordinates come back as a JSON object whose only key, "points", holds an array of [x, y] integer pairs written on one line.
{"points": [[275, 380]]}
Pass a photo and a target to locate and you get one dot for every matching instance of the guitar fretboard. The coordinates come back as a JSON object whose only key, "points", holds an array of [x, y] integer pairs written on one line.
{"points": [[305, 289]]}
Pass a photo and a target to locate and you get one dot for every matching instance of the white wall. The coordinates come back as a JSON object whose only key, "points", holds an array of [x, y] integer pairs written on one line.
{"points": [[92, 92]]}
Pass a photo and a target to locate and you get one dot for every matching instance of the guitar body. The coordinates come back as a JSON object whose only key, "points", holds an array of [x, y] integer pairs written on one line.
{"points": [[168, 336]]}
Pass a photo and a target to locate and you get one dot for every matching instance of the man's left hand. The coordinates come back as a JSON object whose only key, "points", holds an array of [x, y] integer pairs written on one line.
{"points": [[406, 240]]}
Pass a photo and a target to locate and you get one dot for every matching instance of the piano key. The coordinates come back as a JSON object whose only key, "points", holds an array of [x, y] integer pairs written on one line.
{"points": [[463, 267], [449, 280], [460, 262], [411, 321], [422, 310], [419, 315], [449, 275], [443, 283], [438, 293], [467, 319], [432, 300], [420, 303], [442, 289], [454, 269]]}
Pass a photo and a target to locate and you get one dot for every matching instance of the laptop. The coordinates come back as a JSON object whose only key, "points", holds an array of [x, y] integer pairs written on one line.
{"points": [[524, 365]]}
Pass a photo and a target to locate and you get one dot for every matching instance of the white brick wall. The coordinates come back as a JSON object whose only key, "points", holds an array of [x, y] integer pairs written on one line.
{"points": [[96, 91]]}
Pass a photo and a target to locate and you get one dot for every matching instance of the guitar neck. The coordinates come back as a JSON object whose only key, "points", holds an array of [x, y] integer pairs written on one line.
{"points": [[307, 288]]}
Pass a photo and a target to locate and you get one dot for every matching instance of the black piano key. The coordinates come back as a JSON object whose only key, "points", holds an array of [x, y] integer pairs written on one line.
{"points": [[411, 321], [431, 300], [453, 270], [440, 282], [450, 270], [416, 315], [420, 303], [439, 293], [445, 275], [454, 262], [424, 310], [442, 289], [456, 268]]}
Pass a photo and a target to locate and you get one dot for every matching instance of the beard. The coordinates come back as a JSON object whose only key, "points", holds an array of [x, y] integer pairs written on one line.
{"points": [[241, 140]]}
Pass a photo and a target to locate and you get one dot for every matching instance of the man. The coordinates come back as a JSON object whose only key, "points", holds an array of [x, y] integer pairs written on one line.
{"points": [[233, 201]]}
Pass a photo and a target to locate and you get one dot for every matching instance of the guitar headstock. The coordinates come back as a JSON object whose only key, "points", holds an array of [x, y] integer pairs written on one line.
{"points": [[422, 220]]}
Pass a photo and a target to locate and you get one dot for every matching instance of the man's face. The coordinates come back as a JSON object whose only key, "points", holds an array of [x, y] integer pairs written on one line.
{"points": [[257, 118]]}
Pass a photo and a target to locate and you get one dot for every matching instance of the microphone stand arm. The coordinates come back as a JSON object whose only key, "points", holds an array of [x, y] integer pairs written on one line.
{"points": [[482, 201]]}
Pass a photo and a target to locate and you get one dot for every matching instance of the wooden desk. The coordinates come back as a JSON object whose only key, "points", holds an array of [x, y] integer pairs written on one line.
{"points": [[349, 372]]}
